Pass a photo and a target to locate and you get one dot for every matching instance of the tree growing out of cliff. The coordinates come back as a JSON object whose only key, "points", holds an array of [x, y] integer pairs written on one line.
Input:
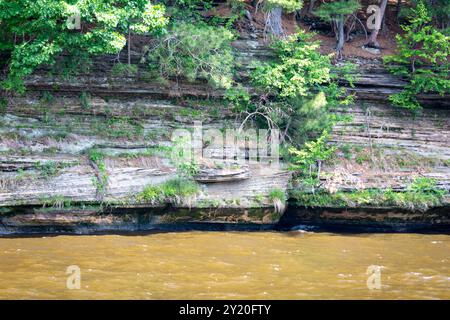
{"points": [[37, 32], [422, 58], [337, 13], [273, 10], [140, 17], [193, 52], [296, 89], [310, 158]]}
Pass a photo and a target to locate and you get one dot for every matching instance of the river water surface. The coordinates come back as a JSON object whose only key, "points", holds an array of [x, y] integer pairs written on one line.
{"points": [[227, 265]]}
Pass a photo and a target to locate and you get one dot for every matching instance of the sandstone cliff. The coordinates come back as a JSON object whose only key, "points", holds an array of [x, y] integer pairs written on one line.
{"points": [[46, 136]]}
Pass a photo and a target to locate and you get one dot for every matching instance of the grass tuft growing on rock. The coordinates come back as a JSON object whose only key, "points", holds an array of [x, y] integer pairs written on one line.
{"points": [[176, 191], [420, 195], [278, 198]]}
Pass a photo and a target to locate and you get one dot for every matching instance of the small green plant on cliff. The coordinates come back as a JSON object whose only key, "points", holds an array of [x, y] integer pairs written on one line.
{"points": [[278, 199], [310, 158], [420, 195], [3, 105], [175, 191], [48, 169], [425, 185], [183, 158], [122, 69], [194, 52], [47, 98], [422, 58], [118, 127], [57, 202], [97, 159], [85, 99]]}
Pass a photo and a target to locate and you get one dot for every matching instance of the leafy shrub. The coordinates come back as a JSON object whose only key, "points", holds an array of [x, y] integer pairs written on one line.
{"points": [[238, 97], [438, 9], [310, 158], [194, 52], [299, 68], [122, 69], [57, 202]]}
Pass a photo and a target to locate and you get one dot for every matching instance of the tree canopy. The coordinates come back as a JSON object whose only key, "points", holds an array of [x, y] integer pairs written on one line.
{"points": [[35, 32]]}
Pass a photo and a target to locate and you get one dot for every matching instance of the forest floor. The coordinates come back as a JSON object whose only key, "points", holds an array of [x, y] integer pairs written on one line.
{"points": [[352, 48]]}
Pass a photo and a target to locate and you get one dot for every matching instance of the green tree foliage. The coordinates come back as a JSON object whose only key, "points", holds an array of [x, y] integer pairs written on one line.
{"points": [[35, 32], [422, 58], [310, 158], [187, 10], [299, 68], [298, 89], [298, 92], [287, 5], [439, 11], [140, 17], [331, 9], [194, 52]]}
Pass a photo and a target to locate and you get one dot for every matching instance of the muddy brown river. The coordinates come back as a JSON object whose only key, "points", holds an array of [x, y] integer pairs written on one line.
{"points": [[226, 265]]}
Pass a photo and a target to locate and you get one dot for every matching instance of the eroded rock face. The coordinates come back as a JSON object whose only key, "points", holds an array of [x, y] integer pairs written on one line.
{"points": [[389, 148], [226, 173], [97, 219], [45, 143], [367, 218]]}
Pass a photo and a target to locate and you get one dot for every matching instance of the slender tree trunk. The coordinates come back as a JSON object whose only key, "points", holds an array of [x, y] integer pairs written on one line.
{"points": [[399, 4], [274, 22], [372, 42], [319, 167], [311, 6], [129, 47], [340, 37]]}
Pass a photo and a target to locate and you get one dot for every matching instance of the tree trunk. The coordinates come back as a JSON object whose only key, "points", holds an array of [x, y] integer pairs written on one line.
{"points": [[340, 37], [311, 6], [399, 4], [129, 47], [274, 23], [372, 42], [319, 167]]}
